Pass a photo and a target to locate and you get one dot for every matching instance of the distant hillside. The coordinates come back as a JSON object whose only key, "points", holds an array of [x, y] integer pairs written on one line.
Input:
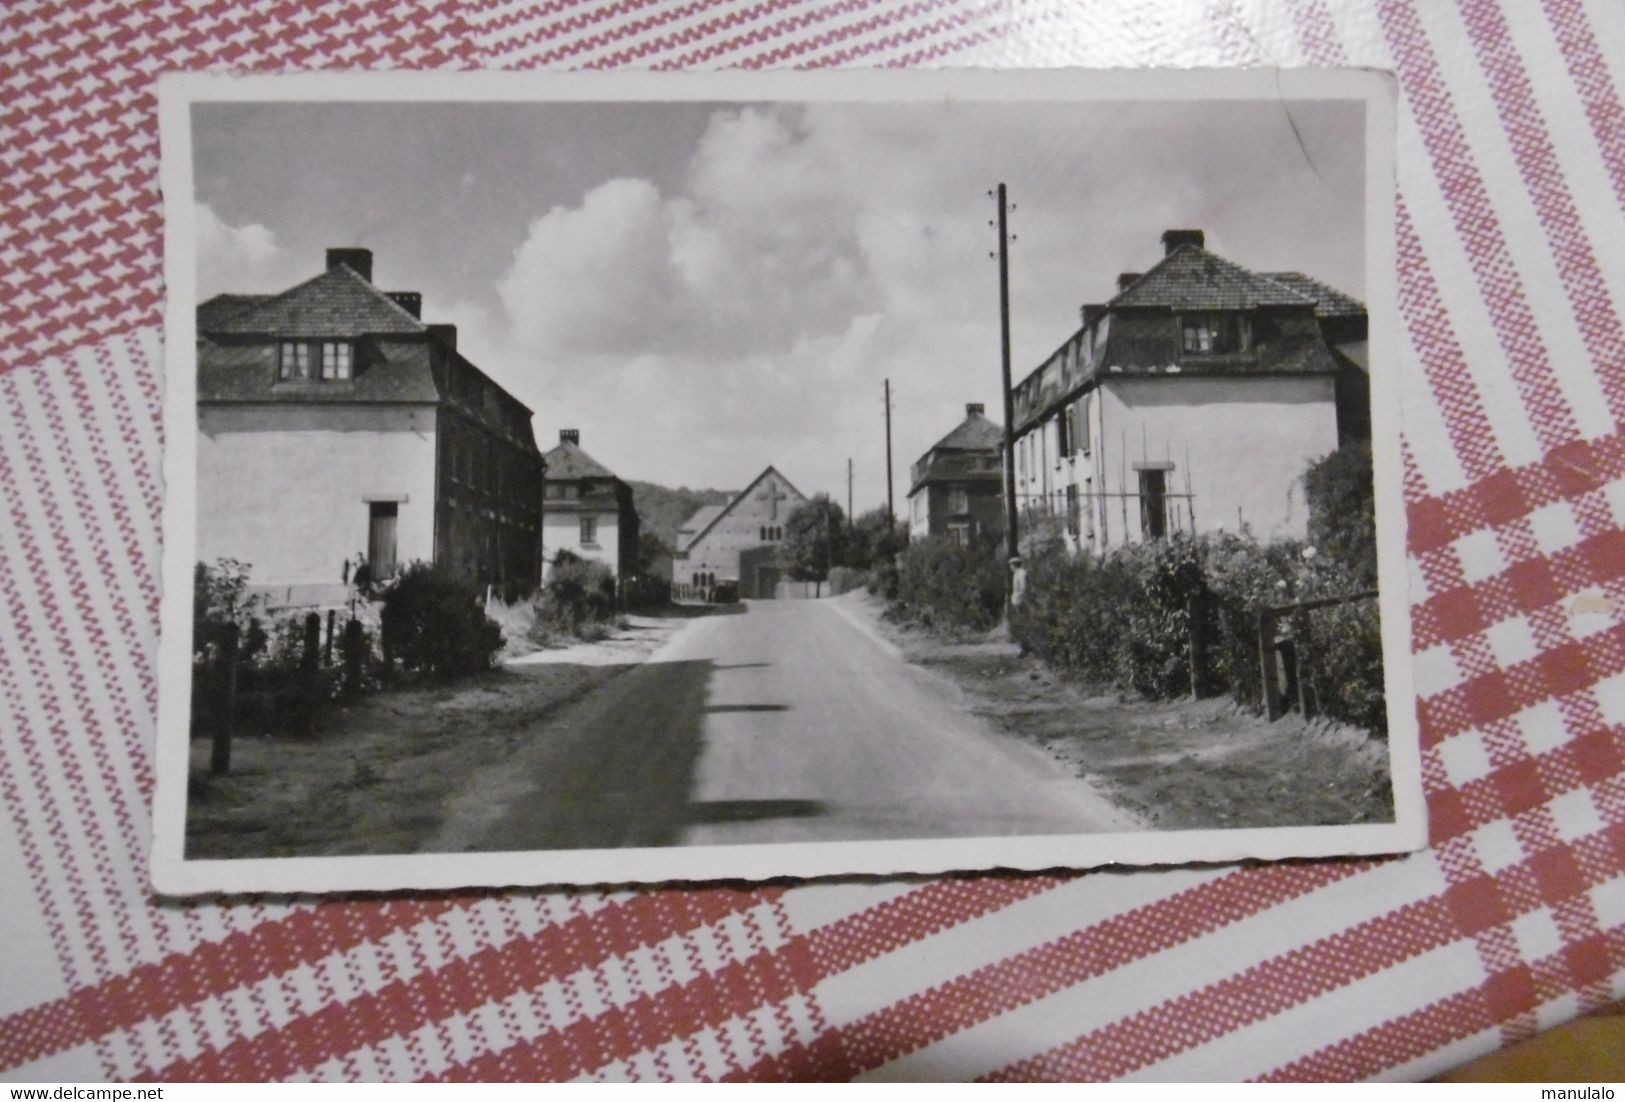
{"points": [[663, 510]]}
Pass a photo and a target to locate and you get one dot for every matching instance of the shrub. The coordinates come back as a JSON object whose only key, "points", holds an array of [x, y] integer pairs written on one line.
{"points": [[844, 579], [578, 592], [432, 621], [1343, 512], [956, 586]]}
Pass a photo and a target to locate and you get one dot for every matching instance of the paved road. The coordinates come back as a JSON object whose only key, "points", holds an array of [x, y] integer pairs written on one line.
{"points": [[783, 722]]}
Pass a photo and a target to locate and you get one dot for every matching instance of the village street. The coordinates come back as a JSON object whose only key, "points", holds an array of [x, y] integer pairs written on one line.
{"points": [[785, 721]]}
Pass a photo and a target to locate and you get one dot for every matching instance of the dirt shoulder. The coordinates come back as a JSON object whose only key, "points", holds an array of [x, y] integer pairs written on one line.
{"points": [[379, 773], [1180, 765]]}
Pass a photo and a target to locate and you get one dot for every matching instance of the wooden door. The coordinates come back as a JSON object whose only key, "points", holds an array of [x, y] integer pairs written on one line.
{"points": [[381, 537]]}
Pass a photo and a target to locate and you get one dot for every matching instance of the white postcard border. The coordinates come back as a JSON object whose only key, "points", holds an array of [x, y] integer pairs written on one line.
{"points": [[173, 874]]}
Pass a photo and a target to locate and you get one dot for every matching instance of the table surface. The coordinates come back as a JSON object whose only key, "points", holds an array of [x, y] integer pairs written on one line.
{"points": [[1512, 268]]}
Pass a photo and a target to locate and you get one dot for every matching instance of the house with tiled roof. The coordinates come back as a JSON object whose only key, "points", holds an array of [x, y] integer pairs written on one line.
{"points": [[587, 512], [956, 489], [337, 427], [1193, 399]]}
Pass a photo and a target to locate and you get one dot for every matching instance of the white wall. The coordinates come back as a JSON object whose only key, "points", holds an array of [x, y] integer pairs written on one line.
{"points": [[285, 488], [1241, 444], [561, 531]]}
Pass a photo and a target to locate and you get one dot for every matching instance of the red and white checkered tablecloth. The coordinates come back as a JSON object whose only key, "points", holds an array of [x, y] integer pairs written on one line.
{"points": [[1512, 283]]}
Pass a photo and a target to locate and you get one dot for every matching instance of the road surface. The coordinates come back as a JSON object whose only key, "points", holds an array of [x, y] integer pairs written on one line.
{"points": [[783, 721]]}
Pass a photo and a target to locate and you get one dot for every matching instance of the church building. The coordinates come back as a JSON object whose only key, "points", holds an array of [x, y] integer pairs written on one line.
{"points": [[739, 541]]}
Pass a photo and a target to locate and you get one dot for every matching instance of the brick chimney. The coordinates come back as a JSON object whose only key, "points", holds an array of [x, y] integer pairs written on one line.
{"points": [[410, 301], [1174, 239], [357, 260], [1124, 279], [974, 409], [444, 333], [570, 436]]}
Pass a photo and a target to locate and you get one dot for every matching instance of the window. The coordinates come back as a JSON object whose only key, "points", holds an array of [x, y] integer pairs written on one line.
{"points": [[1153, 504], [1080, 425], [293, 360], [1074, 514], [335, 360], [1063, 433], [959, 534], [958, 500], [1213, 334], [589, 530]]}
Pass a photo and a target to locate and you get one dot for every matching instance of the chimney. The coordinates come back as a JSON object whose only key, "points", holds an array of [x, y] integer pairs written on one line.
{"points": [[357, 260], [1174, 239], [570, 436], [410, 301], [974, 409], [1126, 278], [445, 334]]}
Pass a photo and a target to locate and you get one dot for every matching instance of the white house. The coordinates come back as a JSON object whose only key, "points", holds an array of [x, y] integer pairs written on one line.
{"points": [[1192, 400], [587, 512], [334, 425]]}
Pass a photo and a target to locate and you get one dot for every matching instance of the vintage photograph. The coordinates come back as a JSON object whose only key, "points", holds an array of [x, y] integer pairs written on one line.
{"points": [[624, 479]]}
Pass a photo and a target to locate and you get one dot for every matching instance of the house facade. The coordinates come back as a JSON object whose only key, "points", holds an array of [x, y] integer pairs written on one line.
{"points": [[335, 426], [1192, 400], [586, 510], [739, 541], [957, 487]]}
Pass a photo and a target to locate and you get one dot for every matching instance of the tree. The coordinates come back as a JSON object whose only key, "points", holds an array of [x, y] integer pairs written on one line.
{"points": [[875, 539], [814, 540]]}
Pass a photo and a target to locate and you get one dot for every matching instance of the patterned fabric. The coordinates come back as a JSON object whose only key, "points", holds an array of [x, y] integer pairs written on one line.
{"points": [[1512, 279]]}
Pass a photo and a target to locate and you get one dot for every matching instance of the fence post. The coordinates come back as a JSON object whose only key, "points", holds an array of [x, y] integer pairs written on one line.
{"points": [[352, 656], [1269, 676], [1300, 661], [226, 719], [327, 645], [1198, 643], [308, 667]]}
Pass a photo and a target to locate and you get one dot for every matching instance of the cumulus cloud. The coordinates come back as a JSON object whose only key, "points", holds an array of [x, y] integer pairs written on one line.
{"points": [[244, 258], [746, 309]]}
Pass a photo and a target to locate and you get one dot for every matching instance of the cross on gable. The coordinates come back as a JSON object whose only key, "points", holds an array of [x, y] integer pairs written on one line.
{"points": [[773, 495]]}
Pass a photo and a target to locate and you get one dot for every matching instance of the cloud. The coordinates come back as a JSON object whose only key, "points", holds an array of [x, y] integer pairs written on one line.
{"points": [[745, 309], [239, 258]]}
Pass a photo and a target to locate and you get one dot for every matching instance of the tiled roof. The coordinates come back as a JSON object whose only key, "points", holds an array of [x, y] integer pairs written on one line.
{"points": [[216, 310], [1190, 278], [958, 466], [1329, 301], [973, 433], [337, 303], [247, 373], [568, 461]]}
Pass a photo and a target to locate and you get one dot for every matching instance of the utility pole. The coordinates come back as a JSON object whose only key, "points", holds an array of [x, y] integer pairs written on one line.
{"points": [[891, 507], [1010, 541], [849, 491]]}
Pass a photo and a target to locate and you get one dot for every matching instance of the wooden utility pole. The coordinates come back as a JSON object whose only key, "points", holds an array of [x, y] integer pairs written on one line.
{"points": [[849, 491], [1010, 541], [891, 507]]}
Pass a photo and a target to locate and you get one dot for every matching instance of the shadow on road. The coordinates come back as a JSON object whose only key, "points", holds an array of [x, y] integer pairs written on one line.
{"points": [[751, 811], [723, 709]]}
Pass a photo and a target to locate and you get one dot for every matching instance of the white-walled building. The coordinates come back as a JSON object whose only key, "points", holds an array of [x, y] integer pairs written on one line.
{"points": [[1194, 400], [739, 541], [334, 426], [587, 512]]}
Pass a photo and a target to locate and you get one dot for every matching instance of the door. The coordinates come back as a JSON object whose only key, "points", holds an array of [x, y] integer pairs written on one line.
{"points": [[1153, 504], [381, 537], [767, 582]]}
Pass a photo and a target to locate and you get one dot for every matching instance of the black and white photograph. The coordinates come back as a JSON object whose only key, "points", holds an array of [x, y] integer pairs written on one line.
{"points": [[589, 479]]}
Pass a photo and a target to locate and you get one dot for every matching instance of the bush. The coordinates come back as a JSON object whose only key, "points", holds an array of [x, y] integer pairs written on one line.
{"points": [[955, 586], [1124, 620], [432, 621], [1343, 512], [844, 579], [578, 592]]}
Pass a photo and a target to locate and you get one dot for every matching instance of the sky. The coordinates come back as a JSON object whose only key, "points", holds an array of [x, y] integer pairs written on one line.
{"points": [[703, 289]]}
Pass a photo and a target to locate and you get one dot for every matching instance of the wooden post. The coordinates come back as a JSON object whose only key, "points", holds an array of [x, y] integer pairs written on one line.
{"points": [[1198, 644], [352, 656], [309, 664], [1269, 676], [1300, 663], [226, 718], [327, 645]]}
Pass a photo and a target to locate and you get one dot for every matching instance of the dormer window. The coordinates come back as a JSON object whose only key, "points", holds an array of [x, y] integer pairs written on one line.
{"points": [[301, 361], [1214, 334]]}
